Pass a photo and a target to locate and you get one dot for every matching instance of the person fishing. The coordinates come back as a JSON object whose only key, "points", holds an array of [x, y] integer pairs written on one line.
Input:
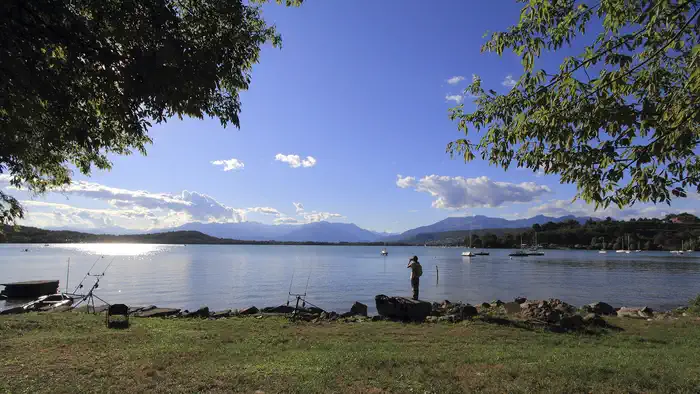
{"points": [[416, 273]]}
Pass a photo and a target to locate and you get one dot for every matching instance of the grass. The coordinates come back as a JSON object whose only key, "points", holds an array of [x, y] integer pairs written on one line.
{"points": [[71, 352]]}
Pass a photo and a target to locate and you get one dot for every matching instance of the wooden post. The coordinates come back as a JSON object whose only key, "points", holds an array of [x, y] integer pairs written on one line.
{"points": [[437, 275]]}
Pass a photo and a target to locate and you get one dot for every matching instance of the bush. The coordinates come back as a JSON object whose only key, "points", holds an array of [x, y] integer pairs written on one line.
{"points": [[694, 305]]}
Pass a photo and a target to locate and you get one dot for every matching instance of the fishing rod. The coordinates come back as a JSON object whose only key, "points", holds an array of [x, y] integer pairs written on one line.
{"points": [[80, 285]]}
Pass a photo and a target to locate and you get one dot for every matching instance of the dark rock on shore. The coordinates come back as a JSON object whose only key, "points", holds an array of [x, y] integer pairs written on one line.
{"points": [[202, 312], [593, 320], [278, 309], [157, 312], [359, 308], [402, 308], [249, 311], [221, 314], [600, 308], [520, 300]]}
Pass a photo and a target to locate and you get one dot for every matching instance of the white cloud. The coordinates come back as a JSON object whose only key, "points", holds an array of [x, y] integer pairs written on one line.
{"points": [[56, 215], [454, 97], [455, 80], [144, 210], [509, 81], [230, 164], [295, 161], [310, 217], [459, 192], [307, 217], [404, 182], [288, 220], [265, 211]]}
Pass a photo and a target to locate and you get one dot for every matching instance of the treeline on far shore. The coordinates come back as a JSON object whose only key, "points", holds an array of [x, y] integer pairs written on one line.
{"points": [[33, 235], [670, 233]]}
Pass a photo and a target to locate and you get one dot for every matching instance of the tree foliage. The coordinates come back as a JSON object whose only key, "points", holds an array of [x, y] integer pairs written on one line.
{"points": [[83, 79], [621, 119]]}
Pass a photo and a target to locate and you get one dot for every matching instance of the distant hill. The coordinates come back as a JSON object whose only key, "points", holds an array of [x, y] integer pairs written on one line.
{"points": [[248, 231], [480, 222], [23, 234], [330, 232], [323, 230]]}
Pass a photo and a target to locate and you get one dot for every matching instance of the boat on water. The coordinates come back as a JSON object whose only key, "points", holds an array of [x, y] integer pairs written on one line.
{"points": [[481, 253], [384, 252], [679, 251], [469, 253], [535, 248], [602, 251], [520, 253]]}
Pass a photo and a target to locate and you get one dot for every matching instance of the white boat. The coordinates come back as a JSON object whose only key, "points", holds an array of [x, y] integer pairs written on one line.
{"points": [[384, 252], [602, 251], [48, 302], [469, 253]]}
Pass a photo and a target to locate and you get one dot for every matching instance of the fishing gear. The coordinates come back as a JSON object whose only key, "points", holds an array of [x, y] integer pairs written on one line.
{"points": [[80, 285], [89, 298]]}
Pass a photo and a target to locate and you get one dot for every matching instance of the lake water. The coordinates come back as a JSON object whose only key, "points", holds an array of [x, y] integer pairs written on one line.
{"points": [[237, 276]]}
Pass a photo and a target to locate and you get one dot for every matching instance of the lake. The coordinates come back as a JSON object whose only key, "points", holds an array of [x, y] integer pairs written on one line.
{"points": [[237, 276]]}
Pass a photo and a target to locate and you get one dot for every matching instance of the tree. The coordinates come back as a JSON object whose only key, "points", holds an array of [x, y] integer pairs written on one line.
{"points": [[83, 79], [621, 120]]}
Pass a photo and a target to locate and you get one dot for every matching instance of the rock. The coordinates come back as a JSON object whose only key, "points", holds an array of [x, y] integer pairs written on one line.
{"points": [[431, 319], [485, 305], [520, 300], [600, 308], [628, 312], [572, 322], [278, 309], [497, 303], [359, 308], [445, 304], [594, 320], [402, 308], [314, 310], [249, 311], [462, 310], [347, 314], [646, 312], [380, 318], [511, 307], [157, 312], [449, 319], [202, 312], [221, 314]]}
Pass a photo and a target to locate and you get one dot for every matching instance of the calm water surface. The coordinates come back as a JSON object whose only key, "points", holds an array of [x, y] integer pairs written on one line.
{"points": [[229, 276]]}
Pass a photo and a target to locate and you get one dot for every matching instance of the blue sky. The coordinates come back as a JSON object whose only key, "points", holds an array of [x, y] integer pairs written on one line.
{"points": [[359, 86]]}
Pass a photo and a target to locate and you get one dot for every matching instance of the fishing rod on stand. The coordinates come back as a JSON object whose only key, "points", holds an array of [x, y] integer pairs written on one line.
{"points": [[89, 298], [300, 297]]}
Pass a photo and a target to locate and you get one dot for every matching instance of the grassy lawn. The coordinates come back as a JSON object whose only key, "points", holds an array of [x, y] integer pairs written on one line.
{"points": [[70, 352]]}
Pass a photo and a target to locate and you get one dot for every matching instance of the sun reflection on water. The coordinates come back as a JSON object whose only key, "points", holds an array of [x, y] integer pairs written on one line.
{"points": [[108, 249]]}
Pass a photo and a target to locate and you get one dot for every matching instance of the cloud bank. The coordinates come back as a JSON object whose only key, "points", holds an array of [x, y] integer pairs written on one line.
{"points": [[459, 192]]}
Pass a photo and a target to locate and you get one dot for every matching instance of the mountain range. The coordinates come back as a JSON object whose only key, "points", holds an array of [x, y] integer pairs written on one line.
{"points": [[345, 232]]}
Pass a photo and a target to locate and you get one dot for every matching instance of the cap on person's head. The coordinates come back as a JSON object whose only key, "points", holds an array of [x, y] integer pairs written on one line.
{"points": [[415, 258]]}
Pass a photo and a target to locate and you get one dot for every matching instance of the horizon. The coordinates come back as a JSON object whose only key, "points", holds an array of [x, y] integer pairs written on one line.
{"points": [[353, 74]]}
